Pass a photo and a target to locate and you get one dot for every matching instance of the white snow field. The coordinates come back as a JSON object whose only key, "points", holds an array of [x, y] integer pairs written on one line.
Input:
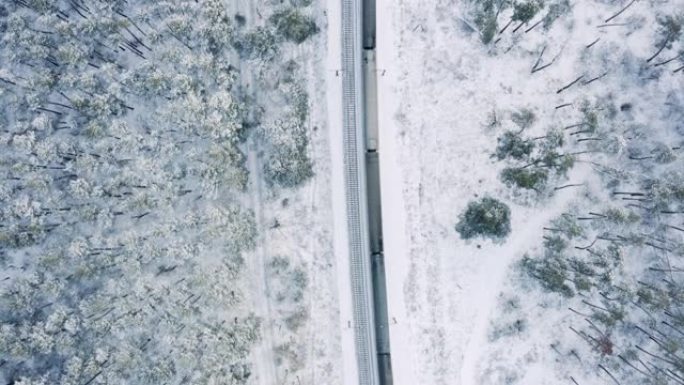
{"points": [[445, 97]]}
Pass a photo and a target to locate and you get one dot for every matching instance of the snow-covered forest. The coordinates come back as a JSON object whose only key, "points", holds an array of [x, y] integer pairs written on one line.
{"points": [[568, 114], [143, 145], [169, 182], [606, 277]]}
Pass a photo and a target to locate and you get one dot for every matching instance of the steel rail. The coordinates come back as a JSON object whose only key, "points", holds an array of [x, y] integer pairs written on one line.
{"points": [[355, 190]]}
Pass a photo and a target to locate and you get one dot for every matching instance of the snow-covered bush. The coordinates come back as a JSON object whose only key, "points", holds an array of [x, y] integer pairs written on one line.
{"points": [[486, 217], [290, 281], [555, 10], [525, 11], [523, 118], [511, 144], [485, 15], [258, 43], [297, 318], [525, 178], [288, 165], [532, 162], [293, 25], [288, 284], [670, 31], [551, 272], [301, 3]]}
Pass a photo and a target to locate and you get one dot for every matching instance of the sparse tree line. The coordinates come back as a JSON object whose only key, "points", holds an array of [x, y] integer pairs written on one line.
{"points": [[614, 261], [495, 20], [122, 131], [618, 268], [533, 161], [492, 18]]}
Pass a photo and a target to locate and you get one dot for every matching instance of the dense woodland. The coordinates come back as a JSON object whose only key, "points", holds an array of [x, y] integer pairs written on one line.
{"points": [[124, 127]]}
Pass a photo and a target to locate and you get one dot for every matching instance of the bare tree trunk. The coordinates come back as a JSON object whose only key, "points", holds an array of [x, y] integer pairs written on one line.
{"points": [[609, 374], [620, 11], [662, 47]]}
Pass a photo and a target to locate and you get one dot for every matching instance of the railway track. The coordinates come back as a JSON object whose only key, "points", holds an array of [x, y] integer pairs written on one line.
{"points": [[355, 186], [362, 185]]}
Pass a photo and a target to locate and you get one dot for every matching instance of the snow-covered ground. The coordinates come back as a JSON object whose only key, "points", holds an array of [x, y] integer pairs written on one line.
{"points": [[444, 98], [309, 230], [298, 224]]}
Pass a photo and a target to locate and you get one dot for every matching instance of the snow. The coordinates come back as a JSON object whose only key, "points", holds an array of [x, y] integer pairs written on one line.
{"points": [[438, 87], [307, 235], [264, 359], [403, 355]]}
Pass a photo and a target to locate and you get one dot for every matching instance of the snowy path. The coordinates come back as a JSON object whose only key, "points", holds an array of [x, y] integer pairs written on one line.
{"points": [[266, 370], [265, 363]]}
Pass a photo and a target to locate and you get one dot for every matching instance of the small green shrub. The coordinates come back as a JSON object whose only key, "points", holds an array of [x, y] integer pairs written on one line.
{"points": [[581, 268], [670, 28], [511, 144], [508, 329], [591, 118], [293, 25], [663, 154], [487, 218], [560, 163], [488, 27], [612, 317], [556, 10], [524, 12], [621, 216], [300, 281], [555, 244], [524, 118], [299, 100], [582, 284], [527, 178], [654, 299], [258, 43], [485, 19], [551, 273], [486, 23], [301, 3], [554, 139], [297, 318], [288, 167], [668, 191], [567, 225]]}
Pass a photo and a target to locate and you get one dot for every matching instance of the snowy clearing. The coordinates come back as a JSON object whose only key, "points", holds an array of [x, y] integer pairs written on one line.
{"points": [[445, 98]]}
